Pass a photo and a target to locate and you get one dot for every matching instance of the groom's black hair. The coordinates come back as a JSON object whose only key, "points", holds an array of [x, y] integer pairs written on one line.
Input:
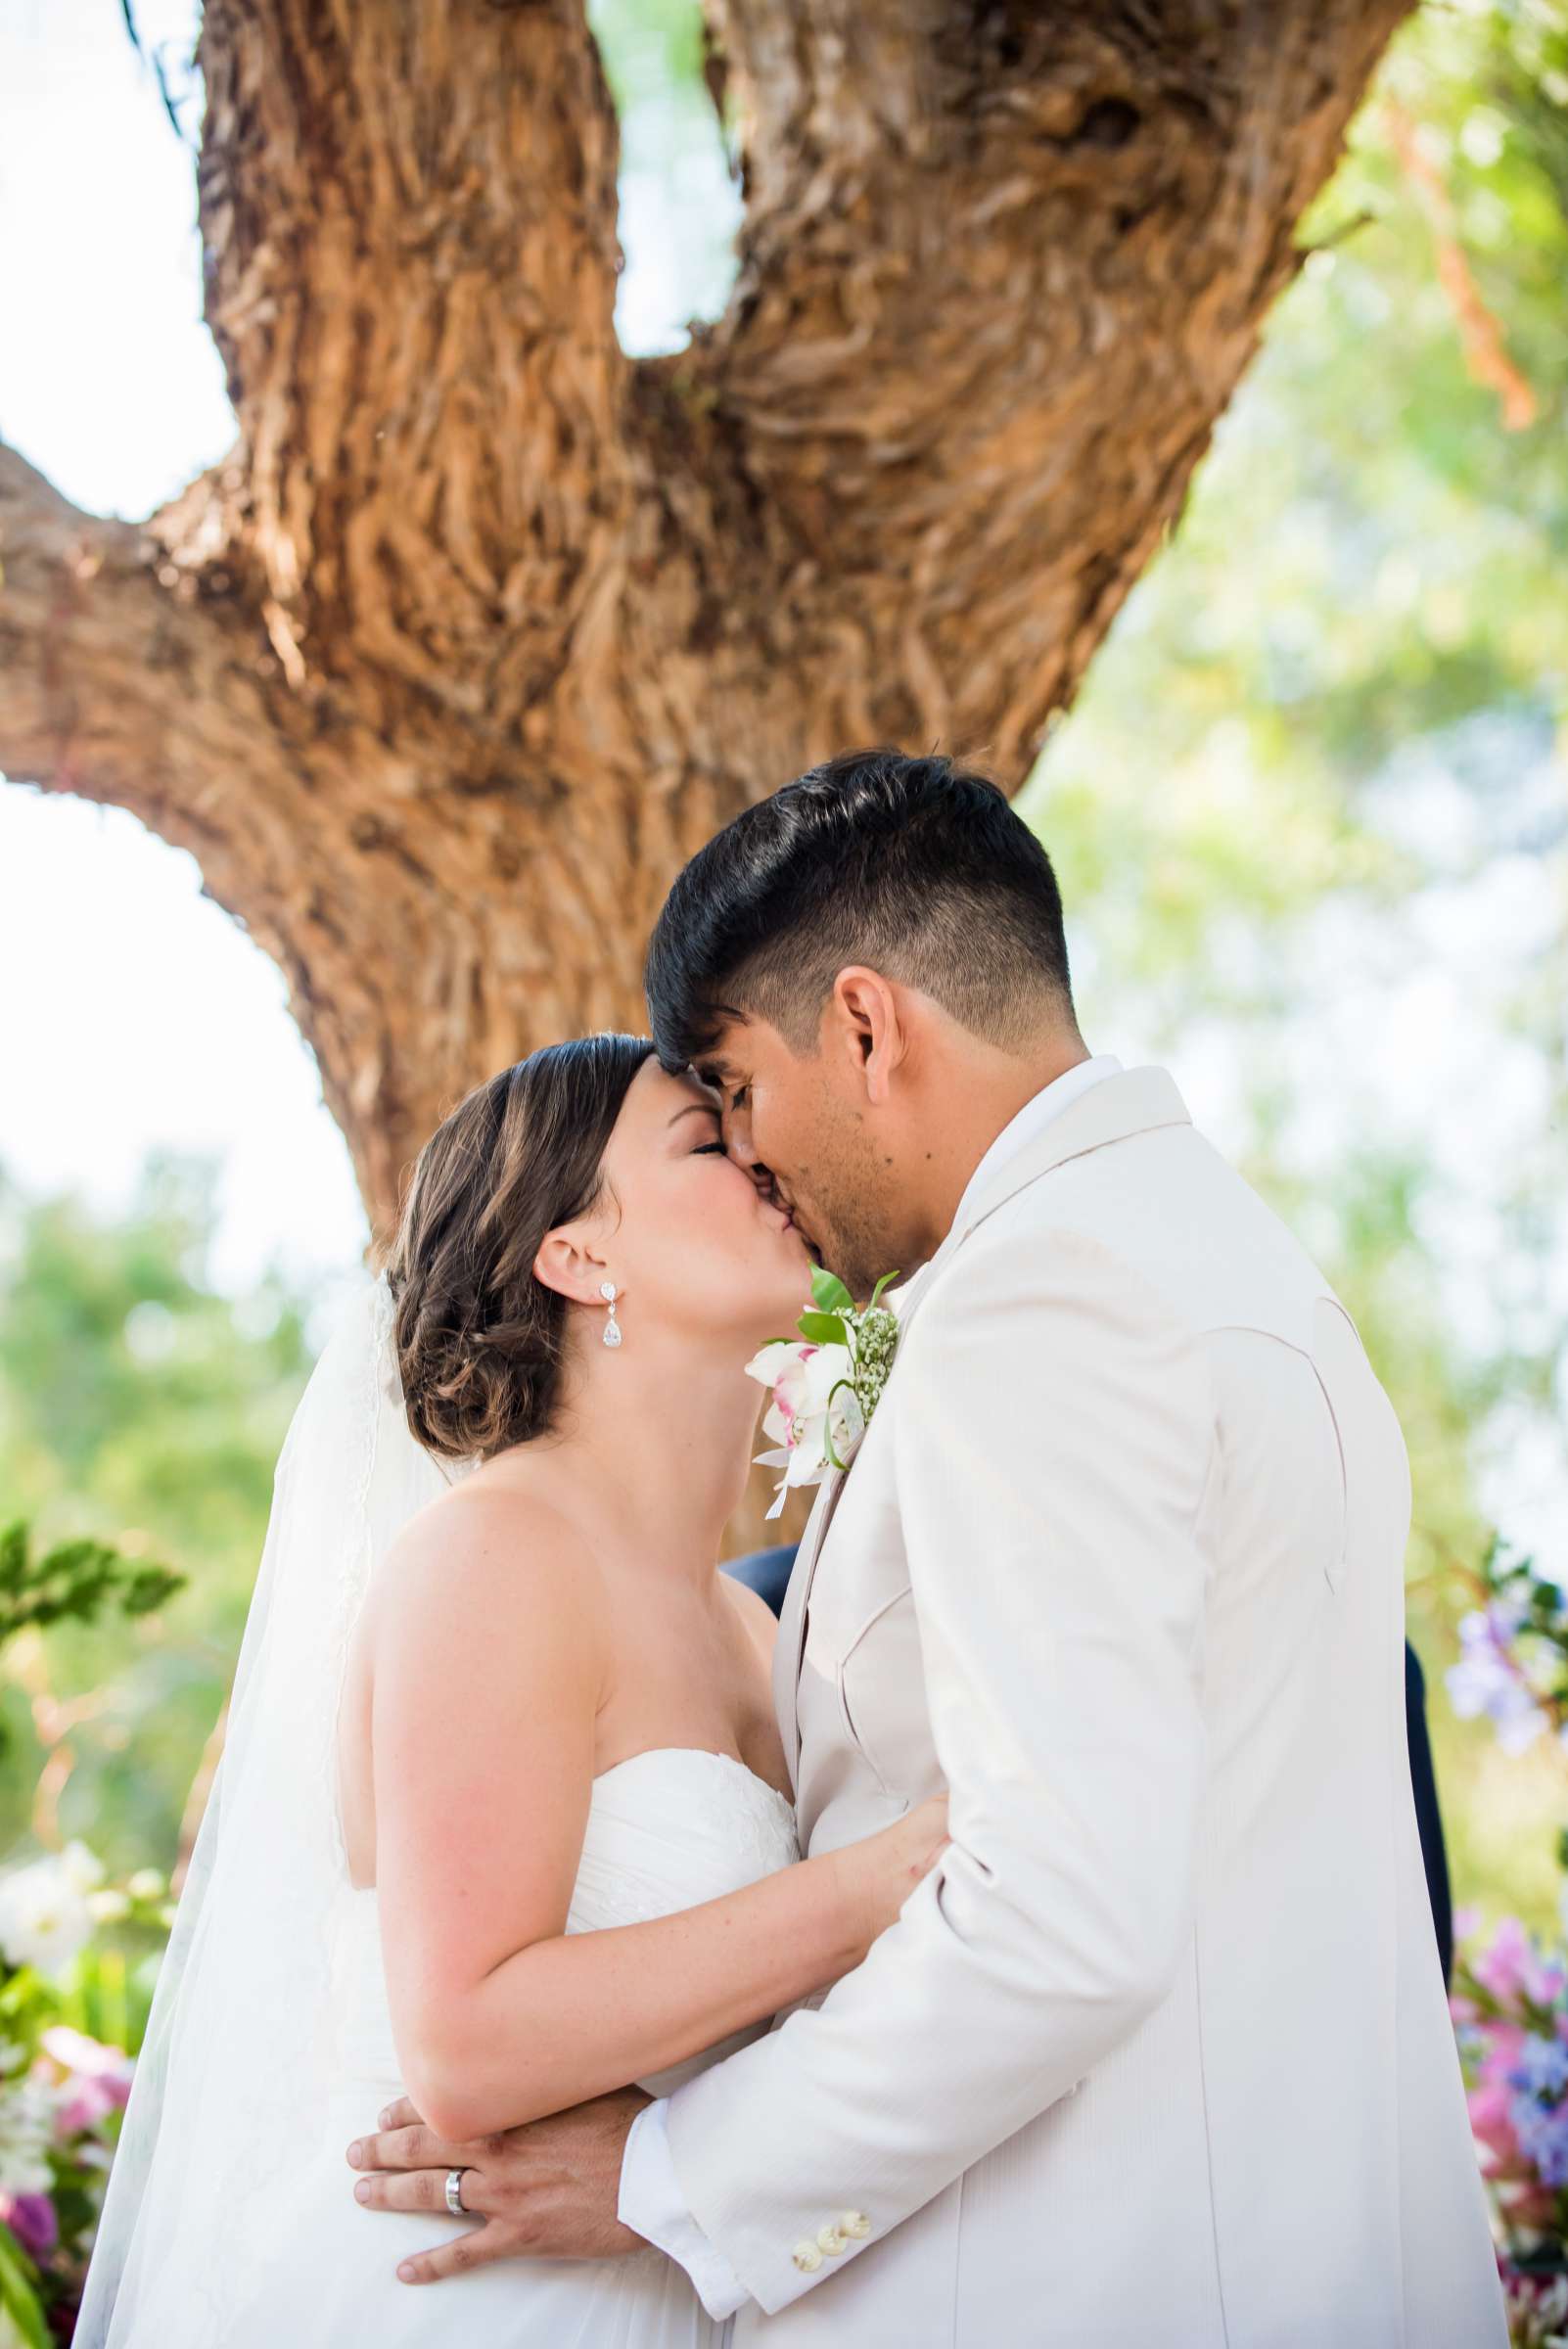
{"points": [[916, 866]]}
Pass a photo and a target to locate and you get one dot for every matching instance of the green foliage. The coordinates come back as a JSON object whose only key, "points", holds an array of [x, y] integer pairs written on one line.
{"points": [[141, 1413], [1309, 811], [19, 2294], [107, 1996], [73, 1582], [74, 1579]]}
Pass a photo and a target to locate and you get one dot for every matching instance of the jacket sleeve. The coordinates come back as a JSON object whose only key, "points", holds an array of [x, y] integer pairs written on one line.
{"points": [[1054, 1443]]}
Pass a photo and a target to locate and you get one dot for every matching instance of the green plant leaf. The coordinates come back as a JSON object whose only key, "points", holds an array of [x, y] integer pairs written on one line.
{"points": [[148, 1589], [14, 1556], [824, 1329], [886, 1283], [830, 1292], [18, 2296]]}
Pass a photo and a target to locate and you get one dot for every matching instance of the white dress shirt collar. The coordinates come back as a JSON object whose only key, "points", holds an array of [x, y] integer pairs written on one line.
{"points": [[1033, 1119]]}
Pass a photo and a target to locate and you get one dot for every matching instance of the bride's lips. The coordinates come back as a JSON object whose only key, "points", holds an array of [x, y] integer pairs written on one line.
{"points": [[798, 1228], [786, 1215]]}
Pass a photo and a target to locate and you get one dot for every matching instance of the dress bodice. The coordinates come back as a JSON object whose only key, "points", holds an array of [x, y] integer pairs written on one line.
{"points": [[666, 1829]]}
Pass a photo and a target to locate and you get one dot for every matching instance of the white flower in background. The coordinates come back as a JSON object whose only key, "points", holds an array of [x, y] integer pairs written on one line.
{"points": [[83, 1869], [44, 1914], [108, 1908], [26, 2134], [146, 1885]]}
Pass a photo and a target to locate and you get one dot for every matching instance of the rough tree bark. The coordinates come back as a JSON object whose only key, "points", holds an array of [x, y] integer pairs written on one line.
{"points": [[482, 629]]}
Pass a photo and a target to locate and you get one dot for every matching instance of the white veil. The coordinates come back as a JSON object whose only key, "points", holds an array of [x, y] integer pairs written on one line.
{"points": [[235, 2068]]}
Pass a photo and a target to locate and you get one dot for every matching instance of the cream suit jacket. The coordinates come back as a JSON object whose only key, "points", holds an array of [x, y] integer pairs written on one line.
{"points": [[1159, 2053]]}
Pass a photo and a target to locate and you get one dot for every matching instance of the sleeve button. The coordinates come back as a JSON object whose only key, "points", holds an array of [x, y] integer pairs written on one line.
{"points": [[830, 2238], [807, 2258], [856, 2225]]}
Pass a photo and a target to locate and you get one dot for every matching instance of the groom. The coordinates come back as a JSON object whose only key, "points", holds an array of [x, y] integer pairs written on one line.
{"points": [[1159, 2051]]}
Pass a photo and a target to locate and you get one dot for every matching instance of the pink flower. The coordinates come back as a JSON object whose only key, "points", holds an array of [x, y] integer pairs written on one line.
{"points": [[98, 2079], [1505, 1967], [32, 2220], [1490, 2124]]}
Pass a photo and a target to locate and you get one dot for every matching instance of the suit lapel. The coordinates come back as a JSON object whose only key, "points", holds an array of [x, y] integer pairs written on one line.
{"points": [[1132, 1102], [790, 1645]]}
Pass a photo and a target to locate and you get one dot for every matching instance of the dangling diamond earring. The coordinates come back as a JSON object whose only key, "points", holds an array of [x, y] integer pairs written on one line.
{"points": [[611, 1328]]}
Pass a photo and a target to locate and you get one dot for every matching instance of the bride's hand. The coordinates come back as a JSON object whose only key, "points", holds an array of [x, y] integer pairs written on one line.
{"points": [[882, 1871]]}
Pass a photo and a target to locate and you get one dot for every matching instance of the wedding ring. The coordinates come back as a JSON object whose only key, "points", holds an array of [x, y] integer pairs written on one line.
{"points": [[454, 2193]]}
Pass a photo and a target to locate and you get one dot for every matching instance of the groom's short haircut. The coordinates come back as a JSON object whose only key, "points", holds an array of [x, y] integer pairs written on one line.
{"points": [[914, 867]]}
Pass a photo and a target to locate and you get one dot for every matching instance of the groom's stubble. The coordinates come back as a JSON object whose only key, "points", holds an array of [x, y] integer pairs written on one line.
{"points": [[849, 1194], [857, 1243]]}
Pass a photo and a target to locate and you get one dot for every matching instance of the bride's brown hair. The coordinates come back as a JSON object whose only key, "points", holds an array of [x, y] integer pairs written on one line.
{"points": [[480, 1342]]}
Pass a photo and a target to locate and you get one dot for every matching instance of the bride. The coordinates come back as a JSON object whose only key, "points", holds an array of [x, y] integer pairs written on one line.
{"points": [[502, 1822]]}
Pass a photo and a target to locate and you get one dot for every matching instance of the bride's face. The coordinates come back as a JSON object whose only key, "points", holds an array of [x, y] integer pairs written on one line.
{"points": [[688, 1237]]}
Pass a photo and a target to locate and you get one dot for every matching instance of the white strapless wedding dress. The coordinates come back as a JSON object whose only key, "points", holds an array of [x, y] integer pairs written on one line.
{"points": [[666, 1829]]}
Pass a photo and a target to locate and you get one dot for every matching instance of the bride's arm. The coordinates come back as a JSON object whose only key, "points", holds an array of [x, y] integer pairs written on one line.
{"points": [[487, 1677]]}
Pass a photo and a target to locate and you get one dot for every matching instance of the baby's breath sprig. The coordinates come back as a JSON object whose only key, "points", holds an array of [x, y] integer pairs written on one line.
{"points": [[869, 1334]]}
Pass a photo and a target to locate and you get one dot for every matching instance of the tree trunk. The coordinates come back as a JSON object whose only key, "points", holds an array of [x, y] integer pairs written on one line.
{"points": [[482, 628]]}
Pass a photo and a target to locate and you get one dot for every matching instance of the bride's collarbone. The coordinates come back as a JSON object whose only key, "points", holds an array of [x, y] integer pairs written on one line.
{"points": [[661, 1697]]}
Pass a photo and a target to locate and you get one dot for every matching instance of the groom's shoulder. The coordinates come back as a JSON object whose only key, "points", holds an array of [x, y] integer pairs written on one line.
{"points": [[1163, 1208]]}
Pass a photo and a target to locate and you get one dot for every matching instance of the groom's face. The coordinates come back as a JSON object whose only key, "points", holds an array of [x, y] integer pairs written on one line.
{"points": [[804, 1142]]}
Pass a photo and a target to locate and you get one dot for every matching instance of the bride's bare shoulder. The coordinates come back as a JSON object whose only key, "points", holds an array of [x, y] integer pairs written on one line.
{"points": [[497, 1542]]}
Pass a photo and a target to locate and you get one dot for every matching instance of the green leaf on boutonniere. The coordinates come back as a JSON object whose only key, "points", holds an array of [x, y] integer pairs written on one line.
{"points": [[824, 1329], [886, 1283], [829, 1292]]}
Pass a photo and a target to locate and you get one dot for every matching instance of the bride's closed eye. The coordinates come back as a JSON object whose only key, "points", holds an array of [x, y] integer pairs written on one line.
{"points": [[707, 1149]]}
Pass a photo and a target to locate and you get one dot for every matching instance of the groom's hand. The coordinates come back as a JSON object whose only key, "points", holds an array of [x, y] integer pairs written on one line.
{"points": [[547, 2190]]}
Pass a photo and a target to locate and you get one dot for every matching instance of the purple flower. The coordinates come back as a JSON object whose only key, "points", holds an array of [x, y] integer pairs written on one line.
{"points": [[1543, 2067], [1485, 1680], [1542, 2135], [32, 2220]]}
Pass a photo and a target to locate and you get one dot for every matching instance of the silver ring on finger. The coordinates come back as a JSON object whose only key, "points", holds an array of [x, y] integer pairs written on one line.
{"points": [[454, 2193]]}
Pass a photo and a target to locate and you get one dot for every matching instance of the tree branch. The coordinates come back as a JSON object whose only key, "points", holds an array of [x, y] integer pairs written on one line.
{"points": [[101, 659], [1001, 269], [410, 218], [479, 632]]}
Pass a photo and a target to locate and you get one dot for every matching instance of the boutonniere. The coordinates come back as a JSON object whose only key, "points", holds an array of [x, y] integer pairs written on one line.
{"points": [[825, 1384]]}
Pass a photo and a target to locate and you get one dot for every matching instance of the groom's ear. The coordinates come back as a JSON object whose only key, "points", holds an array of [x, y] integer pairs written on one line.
{"points": [[864, 1021], [567, 1264]]}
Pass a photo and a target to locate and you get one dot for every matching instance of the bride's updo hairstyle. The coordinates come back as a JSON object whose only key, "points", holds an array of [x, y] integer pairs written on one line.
{"points": [[481, 1343]]}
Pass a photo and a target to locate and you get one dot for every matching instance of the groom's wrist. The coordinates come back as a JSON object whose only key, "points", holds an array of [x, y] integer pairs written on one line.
{"points": [[652, 2205]]}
